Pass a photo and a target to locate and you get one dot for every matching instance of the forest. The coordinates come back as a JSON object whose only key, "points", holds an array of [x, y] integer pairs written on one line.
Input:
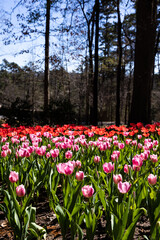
{"points": [[80, 119], [114, 50]]}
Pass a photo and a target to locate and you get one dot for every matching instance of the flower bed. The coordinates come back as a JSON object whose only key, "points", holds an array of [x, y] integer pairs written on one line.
{"points": [[88, 174]]}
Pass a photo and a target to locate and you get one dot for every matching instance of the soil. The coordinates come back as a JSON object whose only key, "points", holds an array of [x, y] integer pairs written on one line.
{"points": [[46, 218]]}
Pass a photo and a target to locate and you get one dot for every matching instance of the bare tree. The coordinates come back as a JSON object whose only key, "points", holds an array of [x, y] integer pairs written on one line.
{"points": [[146, 12]]}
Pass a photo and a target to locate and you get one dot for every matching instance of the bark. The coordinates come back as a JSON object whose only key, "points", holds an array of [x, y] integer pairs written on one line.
{"points": [[90, 34], [95, 83], [118, 67], [90, 78], [144, 59], [46, 72]]}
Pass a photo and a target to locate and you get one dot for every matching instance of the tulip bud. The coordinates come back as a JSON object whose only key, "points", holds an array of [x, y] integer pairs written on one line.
{"points": [[117, 178], [87, 191], [13, 176], [152, 179], [20, 190], [96, 159], [80, 175]]}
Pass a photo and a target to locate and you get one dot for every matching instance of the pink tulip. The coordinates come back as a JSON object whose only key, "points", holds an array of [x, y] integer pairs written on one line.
{"points": [[115, 142], [90, 134], [121, 145], [137, 162], [140, 145], [115, 155], [80, 175], [103, 146], [134, 142], [4, 153], [5, 147], [13, 176], [126, 168], [3, 139], [128, 140], [68, 169], [117, 178], [48, 155], [115, 137], [97, 159], [154, 158], [87, 191], [126, 134], [152, 179], [108, 167], [54, 152], [145, 154], [78, 164], [41, 150], [136, 168], [20, 190], [124, 187], [75, 147], [155, 142], [68, 154], [60, 167]]}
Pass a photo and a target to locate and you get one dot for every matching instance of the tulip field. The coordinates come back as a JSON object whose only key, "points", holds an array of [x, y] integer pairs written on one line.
{"points": [[87, 173]]}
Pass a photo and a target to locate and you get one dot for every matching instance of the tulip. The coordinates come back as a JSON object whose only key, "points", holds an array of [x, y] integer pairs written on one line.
{"points": [[48, 155], [68, 169], [108, 167], [152, 179], [97, 159], [154, 158], [117, 178], [60, 167], [20, 190], [80, 175], [78, 164], [54, 152], [121, 145], [68, 154], [140, 145], [13, 176], [126, 168], [115, 137], [4, 153], [128, 140], [87, 191], [124, 187]]}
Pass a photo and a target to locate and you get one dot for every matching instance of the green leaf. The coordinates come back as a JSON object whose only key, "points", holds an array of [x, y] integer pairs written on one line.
{"points": [[15, 202], [74, 196], [17, 220], [61, 216], [26, 221], [76, 209], [130, 230], [40, 231]]}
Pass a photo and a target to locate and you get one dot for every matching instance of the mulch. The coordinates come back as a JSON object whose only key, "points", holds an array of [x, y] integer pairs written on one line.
{"points": [[47, 219]]}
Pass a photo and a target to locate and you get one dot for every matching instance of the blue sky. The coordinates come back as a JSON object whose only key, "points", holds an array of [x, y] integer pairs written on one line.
{"points": [[9, 52], [34, 45]]}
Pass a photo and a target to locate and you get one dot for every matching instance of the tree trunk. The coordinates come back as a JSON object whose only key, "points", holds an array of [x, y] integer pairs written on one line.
{"points": [[90, 78], [144, 59], [118, 67], [46, 72], [95, 83]]}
